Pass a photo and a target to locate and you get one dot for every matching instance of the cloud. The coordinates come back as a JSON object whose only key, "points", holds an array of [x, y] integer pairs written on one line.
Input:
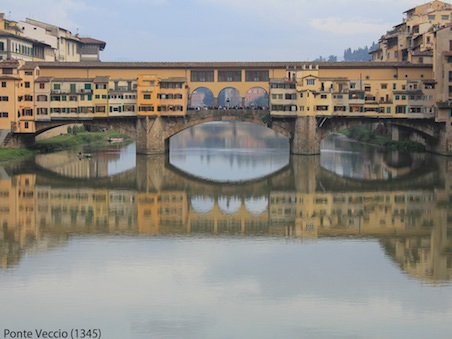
{"points": [[56, 12], [357, 26]]}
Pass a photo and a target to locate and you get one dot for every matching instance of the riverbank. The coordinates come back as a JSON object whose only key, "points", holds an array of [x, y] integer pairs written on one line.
{"points": [[12, 154], [66, 141], [62, 142], [365, 135]]}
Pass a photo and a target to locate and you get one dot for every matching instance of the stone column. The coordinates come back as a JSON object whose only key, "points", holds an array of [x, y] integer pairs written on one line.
{"points": [[150, 136], [395, 133], [305, 140], [443, 145]]}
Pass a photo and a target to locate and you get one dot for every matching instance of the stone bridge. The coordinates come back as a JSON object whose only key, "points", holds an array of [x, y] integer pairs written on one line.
{"points": [[305, 133]]}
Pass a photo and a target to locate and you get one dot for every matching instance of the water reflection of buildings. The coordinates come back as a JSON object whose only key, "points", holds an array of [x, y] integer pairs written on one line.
{"points": [[414, 226], [68, 164]]}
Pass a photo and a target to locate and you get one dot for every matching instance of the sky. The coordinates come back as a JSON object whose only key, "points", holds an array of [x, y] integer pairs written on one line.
{"points": [[219, 30]]}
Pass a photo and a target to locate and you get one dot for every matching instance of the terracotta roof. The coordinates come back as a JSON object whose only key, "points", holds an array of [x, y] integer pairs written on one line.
{"points": [[422, 53], [44, 79], [72, 79], [244, 65], [9, 64], [11, 35], [100, 79], [174, 79], [91, 41], [9, 77]]}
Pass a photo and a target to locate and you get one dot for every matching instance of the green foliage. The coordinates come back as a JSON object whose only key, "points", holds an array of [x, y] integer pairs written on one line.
{"points": [[365, 135], [80, 138], [69, 130], [267, 119], [7, 154]]}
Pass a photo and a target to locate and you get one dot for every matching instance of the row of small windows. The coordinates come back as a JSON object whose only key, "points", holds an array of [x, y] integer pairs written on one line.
{"points": [[161, 108], [163, 96], [87, 109], [353, 109], [229, 76]]}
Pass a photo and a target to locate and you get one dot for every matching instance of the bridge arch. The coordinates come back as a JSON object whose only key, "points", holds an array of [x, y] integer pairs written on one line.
{"points": [[423, 131], [229, 97], [202, 97], [257, 97]]}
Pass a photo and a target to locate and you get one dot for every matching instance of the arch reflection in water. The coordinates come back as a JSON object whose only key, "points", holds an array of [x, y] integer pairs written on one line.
{"points": [[110, 161], [348, 158], [409, 217], [229, 151]]}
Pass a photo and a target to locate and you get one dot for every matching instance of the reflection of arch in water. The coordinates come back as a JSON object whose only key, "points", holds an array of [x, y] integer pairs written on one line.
{"points": [[202, 204], [256, 97], [202, 97], [229, 97], [256, 206], [229, 205]]}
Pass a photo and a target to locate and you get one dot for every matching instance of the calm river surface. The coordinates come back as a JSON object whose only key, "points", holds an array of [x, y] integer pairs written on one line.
{"points": [[250, 243]]}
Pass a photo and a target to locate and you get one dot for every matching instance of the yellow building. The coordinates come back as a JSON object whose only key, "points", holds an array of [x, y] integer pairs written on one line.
{"points": [[413, 39], [100, 96]]}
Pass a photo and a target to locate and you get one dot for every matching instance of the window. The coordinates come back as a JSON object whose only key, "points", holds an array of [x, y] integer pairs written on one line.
{"points": [[27, 84], [403, 97], [72, 86], [26, 125], [42, 85], [104, 96], [397, 97], [7, 71], [146, 96], [146, 108], [444, 17], [431, 17], [72, 98], [41, 111], [257, 75], [450, 76], [388, 109], [100, 109], [63, 98], [88, 86], [367, 88], [3, 84], [323, 96], [400, 109], [384, 86], [4, 115], [202, 76], [97, 96], [229, 76], [56, 86], [42, 97], [27, 112], [321, 108], [3, 98], [310, 82]]}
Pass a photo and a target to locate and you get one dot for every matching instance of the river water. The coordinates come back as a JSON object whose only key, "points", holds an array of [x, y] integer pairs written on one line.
{"points": [[228, 237]]}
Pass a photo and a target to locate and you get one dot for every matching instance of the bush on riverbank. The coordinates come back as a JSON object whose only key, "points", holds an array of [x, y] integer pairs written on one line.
{"points": [[365, 135], [62, 142], [8, 154]]}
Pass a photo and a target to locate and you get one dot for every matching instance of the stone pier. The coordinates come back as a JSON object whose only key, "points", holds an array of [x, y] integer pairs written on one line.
{"points": [[305, 137], [151, 136]]}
